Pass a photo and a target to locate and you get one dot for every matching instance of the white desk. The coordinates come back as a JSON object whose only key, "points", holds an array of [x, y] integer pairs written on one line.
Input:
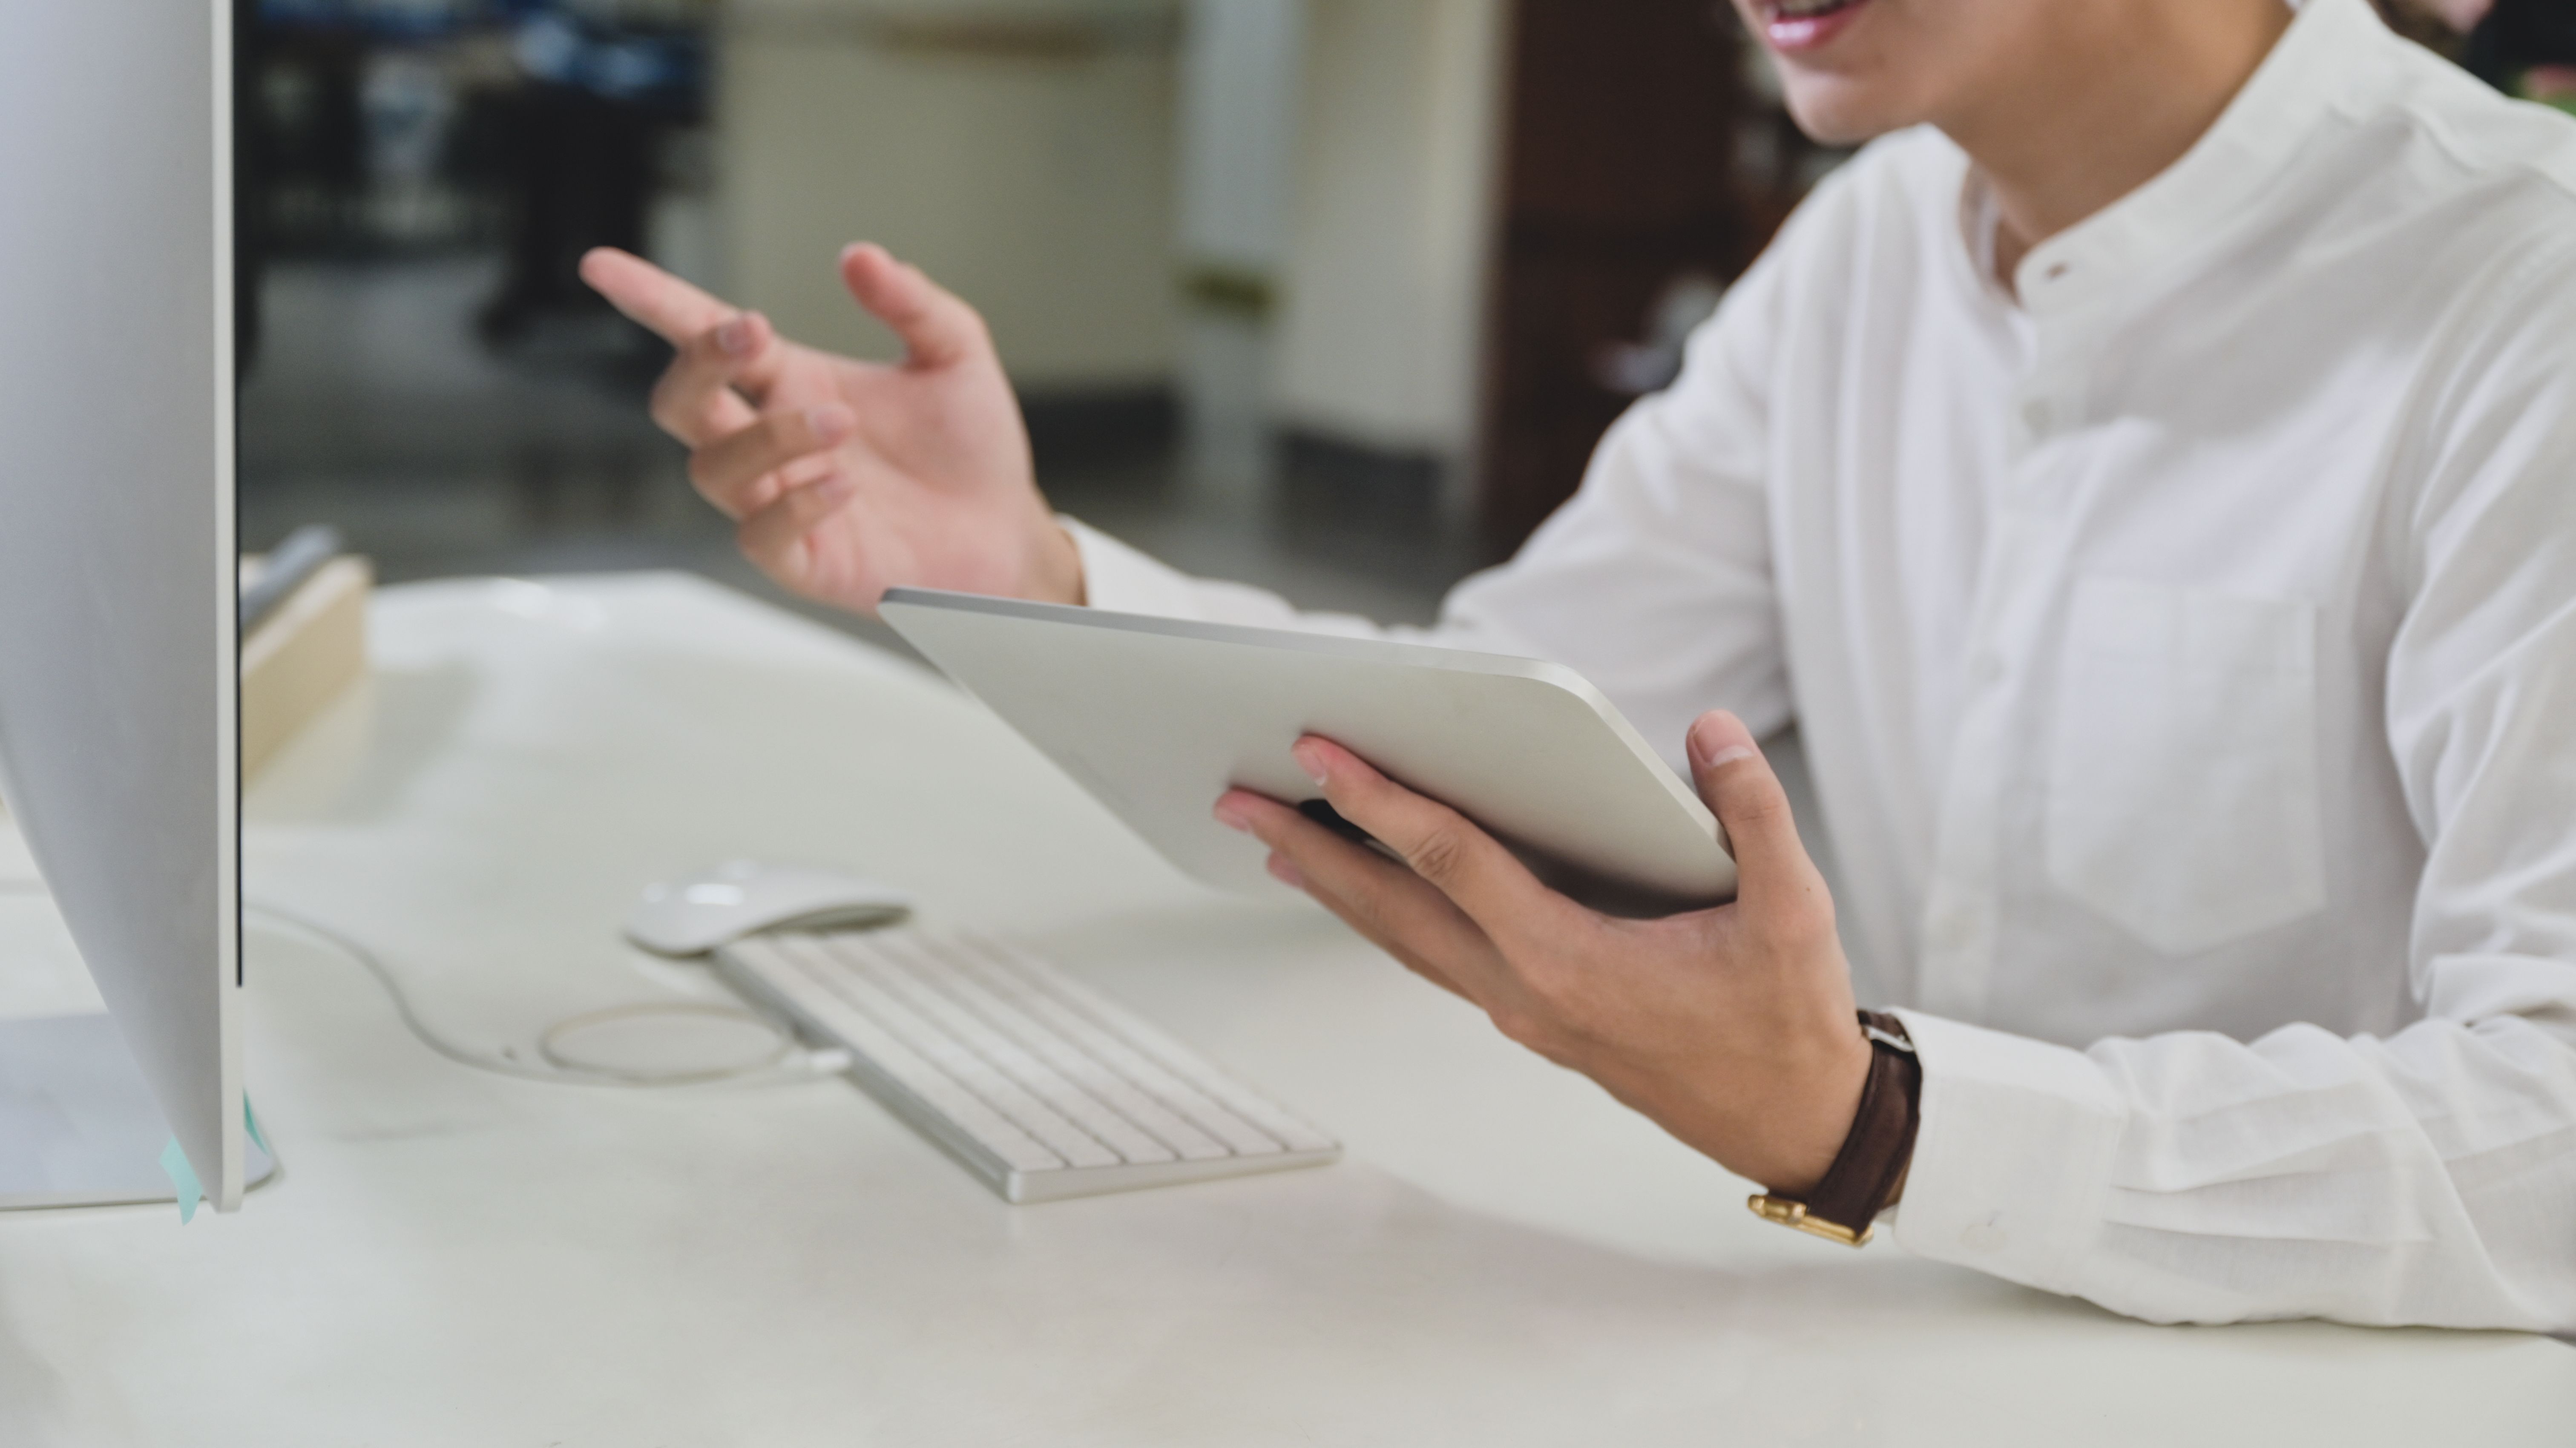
{"points": [[1506, 1257]]}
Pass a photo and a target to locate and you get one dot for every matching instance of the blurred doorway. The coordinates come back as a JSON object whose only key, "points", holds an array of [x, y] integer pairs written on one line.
{"points": [[1646, 161]]}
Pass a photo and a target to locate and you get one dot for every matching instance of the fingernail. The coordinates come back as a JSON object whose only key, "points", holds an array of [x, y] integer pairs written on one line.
{"points": [[1705, 752], [1232, 815], [833, 488], [1306, 754], [1286, 873], [829, 422], [734, 337]]}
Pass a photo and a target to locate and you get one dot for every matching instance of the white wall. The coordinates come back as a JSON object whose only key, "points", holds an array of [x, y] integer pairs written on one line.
{"points": [[1057, 187], [1021, 151], [1386, 273], [1241, 91]]}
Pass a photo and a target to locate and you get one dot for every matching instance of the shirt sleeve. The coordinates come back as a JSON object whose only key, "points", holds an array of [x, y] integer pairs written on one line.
{"points": [[2425, 1178], [1654, 581]]}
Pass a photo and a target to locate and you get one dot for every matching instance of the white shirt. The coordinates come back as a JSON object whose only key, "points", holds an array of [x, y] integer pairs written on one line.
{"points": [[2186, 657]]}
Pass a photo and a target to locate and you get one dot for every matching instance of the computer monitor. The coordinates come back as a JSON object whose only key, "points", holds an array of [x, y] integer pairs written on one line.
{"points": [[118, 577]]}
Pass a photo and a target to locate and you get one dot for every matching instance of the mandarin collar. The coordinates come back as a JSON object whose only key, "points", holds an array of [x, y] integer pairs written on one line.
{"points": [[2222, 182]]}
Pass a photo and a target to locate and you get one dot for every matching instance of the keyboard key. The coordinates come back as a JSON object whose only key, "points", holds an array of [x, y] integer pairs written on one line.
{"points": [[880, 1051], [1291, 1133], [1043, 1086], [1007, 1038], [883, 1002]]}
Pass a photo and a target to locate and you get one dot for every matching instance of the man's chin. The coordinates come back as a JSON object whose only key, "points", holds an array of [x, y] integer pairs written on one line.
{"points": [[1837, 112]]}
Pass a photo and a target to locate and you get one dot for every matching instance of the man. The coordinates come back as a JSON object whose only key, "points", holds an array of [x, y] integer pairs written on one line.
{"points": [[2148, 476]]}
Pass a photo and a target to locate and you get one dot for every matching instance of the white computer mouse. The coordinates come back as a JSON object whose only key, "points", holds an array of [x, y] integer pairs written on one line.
{"points": [[744, 897]]}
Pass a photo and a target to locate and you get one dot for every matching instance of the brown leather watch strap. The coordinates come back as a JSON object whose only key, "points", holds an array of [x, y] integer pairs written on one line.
{"points": [[1875, 1152]]}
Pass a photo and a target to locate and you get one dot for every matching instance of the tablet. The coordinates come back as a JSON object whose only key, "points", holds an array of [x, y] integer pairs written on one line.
{"points": [[1157, 717]]}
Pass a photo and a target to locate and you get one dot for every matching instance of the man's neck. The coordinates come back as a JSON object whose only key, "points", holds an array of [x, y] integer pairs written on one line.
{"points": [[2133, 86]]}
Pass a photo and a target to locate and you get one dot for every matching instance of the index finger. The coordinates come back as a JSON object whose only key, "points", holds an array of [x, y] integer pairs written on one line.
{"points": [[671, 307], [1394, 909], [1463, 862]]}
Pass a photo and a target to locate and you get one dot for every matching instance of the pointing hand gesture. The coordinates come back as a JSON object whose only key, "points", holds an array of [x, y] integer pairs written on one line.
{"points": [[847, 478]]}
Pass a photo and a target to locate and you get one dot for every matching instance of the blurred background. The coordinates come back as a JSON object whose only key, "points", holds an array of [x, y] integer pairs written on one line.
{"points": [[1329, 295]]}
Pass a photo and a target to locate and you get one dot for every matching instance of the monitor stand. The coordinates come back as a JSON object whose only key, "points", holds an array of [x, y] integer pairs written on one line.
{"points": [[78, 1128]]}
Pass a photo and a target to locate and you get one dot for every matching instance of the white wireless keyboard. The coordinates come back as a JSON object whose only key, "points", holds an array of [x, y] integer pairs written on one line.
{"points": [[1038, 1084]]}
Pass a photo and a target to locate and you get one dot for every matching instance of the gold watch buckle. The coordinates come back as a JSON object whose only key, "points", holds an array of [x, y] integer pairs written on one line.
{"points": [[1794, 1214]]}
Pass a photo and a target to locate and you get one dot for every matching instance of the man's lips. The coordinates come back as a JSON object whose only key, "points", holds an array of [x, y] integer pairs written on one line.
{"points": [[1791, 26]]}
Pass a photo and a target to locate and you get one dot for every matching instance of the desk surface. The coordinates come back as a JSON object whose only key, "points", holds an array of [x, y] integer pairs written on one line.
{"points": [[453, 1257]]}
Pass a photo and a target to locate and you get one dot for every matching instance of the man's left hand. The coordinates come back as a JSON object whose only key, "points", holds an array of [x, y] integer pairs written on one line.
{"points": [[1733, 1028]]}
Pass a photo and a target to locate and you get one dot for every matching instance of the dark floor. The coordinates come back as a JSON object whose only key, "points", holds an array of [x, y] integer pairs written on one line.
{"points": [[373, 407]]}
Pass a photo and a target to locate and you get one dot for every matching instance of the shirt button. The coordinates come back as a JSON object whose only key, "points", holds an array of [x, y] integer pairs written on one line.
{"points": [[1990, 669], [1954, 930], [1984, 1237], [2034, 415]]}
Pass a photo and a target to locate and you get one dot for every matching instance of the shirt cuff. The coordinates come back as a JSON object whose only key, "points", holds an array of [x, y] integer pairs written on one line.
{"points": [[1121, 579], [2012, 1154]]}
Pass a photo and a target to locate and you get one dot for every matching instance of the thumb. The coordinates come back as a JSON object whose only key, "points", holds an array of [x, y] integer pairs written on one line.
{"points": [[937, 328], [1738, 785]]}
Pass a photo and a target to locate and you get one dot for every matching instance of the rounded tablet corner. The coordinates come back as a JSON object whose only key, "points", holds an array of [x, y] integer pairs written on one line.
{"points": [[903, 598], [1560, 677], [1568, 681]]}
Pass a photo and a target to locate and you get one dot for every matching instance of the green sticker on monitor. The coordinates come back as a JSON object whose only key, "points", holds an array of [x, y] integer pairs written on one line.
{"points": [[174, 1160], [183, 1177]]}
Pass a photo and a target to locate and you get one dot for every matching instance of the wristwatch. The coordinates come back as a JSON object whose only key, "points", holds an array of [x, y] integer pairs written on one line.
{"points": [[1875, 1153]]}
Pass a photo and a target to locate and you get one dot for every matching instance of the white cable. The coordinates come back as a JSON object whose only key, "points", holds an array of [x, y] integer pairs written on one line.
{"points": [[550, 1044], [566, 1073]]}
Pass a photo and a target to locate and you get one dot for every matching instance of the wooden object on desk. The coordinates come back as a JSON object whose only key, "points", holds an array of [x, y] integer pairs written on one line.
{"points": [[304, 655]]}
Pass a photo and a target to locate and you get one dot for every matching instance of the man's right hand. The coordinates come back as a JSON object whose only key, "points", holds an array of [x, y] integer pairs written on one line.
{"points": [[848, 478]]}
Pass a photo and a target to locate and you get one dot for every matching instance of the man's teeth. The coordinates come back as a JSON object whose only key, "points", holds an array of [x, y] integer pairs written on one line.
{"points": [[1806, 9]]}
